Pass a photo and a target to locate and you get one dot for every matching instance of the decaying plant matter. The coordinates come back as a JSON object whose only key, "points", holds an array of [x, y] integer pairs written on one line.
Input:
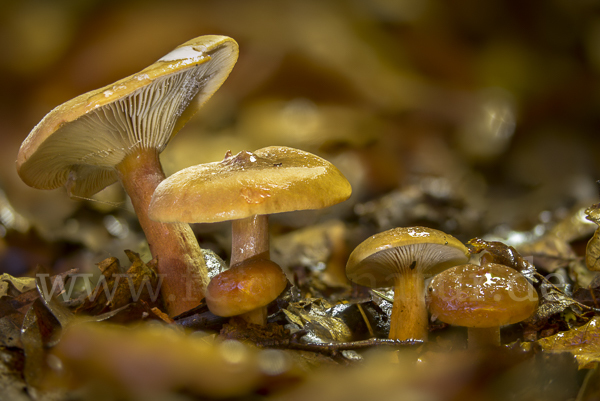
{"points": [[439, 121]]}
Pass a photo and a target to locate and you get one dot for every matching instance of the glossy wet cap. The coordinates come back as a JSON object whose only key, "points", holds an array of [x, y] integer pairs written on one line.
{"points": [[270, 180], [485, 296], [249, 285], [380, 258], [79, 142]]}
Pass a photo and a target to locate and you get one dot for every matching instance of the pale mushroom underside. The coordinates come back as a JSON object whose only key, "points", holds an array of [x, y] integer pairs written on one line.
{"points": [[82, 153], [382, 268]]}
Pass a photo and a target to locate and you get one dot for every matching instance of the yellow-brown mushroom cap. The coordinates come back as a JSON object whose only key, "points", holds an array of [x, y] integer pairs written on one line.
{"points": [[245, 287], [378, 260], [83, 139], [271, 180], [491, 295]]}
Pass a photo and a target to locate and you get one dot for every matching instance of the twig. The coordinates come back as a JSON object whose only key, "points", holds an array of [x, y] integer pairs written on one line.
{"points": [[382, 295], [293, 342], [364, 316]]}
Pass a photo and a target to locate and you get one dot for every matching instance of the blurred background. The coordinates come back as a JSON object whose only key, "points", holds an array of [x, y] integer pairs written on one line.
{"points": [[473, 117]]}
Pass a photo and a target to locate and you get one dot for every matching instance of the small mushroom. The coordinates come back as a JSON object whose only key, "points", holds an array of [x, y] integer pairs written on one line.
{"points": [[482, 298], [246, 290], [245, 189], [400, 258], [117, 132]]}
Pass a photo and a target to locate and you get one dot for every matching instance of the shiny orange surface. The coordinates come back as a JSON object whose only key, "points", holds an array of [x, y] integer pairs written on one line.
{"points": [[481, 296], [245, 287]]}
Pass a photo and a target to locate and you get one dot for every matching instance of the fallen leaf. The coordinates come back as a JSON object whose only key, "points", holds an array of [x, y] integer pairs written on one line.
{"points": [[14, 309], [583, 342], [592, 252], [116, 289], [13, 312], [13, 286], [498, 252], [140, 283], [316, 317]]}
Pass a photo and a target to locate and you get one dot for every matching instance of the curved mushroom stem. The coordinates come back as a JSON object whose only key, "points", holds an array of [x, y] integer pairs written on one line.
{"points": [[483, 337], [180, 260], [249, 239], [409, 320]]}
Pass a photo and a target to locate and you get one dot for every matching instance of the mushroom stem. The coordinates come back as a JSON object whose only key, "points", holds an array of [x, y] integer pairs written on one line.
{"points": [[409, 312], [483, 337], [180, 260], [257, 316], [250, 238]]}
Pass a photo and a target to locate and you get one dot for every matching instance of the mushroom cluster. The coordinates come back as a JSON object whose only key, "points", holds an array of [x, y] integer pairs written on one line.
{"points": [[116, 133], [401, 258], [245, 189], [482, 298]]}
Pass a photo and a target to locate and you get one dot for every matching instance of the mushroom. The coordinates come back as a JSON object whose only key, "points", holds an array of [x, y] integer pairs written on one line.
{"points": [[401, 257], [482, 298], [117, 132], [246, 290], [245, 189]]}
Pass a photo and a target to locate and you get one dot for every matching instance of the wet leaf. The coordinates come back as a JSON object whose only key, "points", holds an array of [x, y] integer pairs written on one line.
{"points": [[316, 317], [583, 342], [498, 252], [214, 264]]}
